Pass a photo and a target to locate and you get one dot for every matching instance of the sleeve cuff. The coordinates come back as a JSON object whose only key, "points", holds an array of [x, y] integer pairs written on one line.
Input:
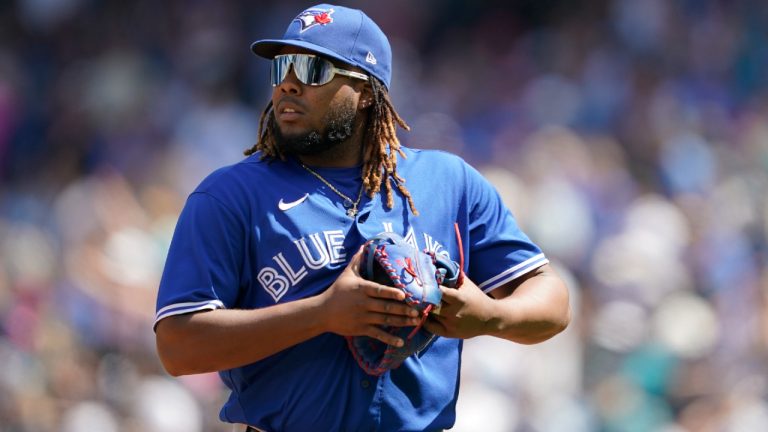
{"points": [[184, 308], [513, 273]]}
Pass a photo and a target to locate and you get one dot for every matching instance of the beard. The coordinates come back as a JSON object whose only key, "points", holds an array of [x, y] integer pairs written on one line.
{"points": [[339, 124]]}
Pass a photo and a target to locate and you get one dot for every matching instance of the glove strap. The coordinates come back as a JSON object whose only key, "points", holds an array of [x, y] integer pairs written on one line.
{"points": [[418, 326]]}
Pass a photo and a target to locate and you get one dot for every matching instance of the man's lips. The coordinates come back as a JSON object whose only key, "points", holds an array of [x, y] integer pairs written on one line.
{"points": [[288, 110]]}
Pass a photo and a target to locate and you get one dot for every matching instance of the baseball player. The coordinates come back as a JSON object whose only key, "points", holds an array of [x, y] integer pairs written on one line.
{"points": [[262, 280]]}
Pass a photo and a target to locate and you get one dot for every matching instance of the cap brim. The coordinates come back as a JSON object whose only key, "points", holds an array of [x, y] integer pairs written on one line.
{"points": [[269, 48]]}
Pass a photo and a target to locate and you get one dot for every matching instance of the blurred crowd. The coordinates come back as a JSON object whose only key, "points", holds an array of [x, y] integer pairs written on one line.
{"points": [[630, 139]]}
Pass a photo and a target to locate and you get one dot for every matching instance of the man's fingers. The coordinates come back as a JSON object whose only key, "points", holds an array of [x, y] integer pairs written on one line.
{"points": [[354, 262], [382, 291], [377, 333], [393, 320], [450, 295], [434, 325], [392, 307], [436, 310]]}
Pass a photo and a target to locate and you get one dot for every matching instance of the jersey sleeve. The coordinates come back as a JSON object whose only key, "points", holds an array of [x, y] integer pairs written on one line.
{"points": [[203, 267], [500, 251]]}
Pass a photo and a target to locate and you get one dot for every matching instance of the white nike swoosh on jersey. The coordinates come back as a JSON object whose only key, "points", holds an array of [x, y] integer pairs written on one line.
{"points": [[282, 205]]}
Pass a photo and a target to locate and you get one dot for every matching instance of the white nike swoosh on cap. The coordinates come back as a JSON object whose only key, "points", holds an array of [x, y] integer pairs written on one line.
{"points": [[282, 205]]}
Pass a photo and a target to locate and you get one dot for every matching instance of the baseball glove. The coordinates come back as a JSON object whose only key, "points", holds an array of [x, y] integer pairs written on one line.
{"points": [[389, 260]]}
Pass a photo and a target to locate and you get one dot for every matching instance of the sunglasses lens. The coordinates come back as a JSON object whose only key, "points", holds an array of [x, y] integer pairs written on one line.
{"points": [[310, 70], [313, 70], [280, 67]]}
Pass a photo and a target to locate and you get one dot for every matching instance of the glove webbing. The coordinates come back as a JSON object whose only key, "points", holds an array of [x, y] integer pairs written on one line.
{"points": [[380, 254]]}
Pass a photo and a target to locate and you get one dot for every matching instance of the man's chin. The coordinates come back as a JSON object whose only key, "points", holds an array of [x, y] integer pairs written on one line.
{"points": [[300, 144], [298, 141], [290, 140]]}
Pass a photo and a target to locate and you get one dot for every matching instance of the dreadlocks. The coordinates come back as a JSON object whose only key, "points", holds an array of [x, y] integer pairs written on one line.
{"points": [[380, 145]]}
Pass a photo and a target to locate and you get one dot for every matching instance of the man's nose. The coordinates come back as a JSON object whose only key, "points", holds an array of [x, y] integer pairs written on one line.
{"points": [[291, 83]]}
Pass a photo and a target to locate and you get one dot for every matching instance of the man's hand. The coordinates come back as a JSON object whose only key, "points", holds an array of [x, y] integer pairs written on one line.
{"points": [[465, 312], [355, 306], [528, 310]]}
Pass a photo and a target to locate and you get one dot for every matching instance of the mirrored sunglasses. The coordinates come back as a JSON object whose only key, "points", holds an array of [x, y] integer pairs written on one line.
{"points": [[309, 69]]}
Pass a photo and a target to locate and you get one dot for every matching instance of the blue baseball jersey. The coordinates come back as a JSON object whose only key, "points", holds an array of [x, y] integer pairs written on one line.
{"points": [[259, 233]]}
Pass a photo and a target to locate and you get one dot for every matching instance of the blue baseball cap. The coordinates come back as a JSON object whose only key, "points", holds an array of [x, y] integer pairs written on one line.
{"points": [[338, 32]]}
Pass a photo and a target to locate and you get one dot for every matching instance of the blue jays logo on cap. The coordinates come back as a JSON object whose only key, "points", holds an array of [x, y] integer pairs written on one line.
{"points": [[340, 33], [312, 17]]}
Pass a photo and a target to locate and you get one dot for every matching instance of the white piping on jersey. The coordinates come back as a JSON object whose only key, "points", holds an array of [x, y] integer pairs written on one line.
{"points": [[513, 272], [187, 307]]}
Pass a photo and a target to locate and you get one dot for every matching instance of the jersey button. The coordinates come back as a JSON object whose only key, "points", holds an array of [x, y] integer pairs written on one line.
{"points": [[365, 383]]}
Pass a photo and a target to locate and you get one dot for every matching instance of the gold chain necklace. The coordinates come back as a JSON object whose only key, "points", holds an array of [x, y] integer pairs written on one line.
{"points": [[348, 203]]}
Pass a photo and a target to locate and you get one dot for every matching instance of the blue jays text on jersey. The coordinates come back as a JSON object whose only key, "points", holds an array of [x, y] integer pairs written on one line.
{"points": [[318, 250], [260, 232]]}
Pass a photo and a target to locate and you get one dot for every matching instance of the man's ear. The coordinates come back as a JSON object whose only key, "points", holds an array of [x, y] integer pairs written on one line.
{"points": [[366, 97]]}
